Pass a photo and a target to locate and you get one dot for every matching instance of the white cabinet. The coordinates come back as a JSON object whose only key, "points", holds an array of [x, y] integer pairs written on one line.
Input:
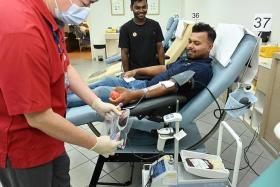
{"points": [[271, 107], [265, 113], [112, 44]]}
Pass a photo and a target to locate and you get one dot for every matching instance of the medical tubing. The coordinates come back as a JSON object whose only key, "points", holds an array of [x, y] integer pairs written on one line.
{"points": [[218, 122], [150, 176], [144, 158], [222, 113], [133, 106], [230, 109], [246, 149], [245, 153]]}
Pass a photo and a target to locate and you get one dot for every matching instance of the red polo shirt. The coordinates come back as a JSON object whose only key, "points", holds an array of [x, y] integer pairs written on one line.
{"points": [[31, 80]]}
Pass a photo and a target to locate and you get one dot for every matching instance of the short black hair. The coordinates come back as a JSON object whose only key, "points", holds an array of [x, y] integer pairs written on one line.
{"points": [[133, 1], [203, 27]]}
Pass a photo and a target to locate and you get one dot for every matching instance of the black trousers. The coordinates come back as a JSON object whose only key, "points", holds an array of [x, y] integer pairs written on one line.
{"points": [[52, 174]]}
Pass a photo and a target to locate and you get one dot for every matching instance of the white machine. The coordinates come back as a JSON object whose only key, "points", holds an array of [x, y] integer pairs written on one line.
{"points": [[169, 172], [168, 132], [161, 173]]}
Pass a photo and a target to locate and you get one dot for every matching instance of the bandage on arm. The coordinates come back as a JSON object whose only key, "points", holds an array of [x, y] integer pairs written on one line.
{"points": [[160, 89], [169, 86]]}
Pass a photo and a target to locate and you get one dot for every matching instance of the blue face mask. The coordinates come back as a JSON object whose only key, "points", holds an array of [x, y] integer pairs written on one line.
{"points": [[74, 15]]}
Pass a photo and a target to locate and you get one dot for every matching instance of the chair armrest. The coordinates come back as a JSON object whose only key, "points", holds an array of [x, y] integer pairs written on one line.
{"points": [[157, 106]]}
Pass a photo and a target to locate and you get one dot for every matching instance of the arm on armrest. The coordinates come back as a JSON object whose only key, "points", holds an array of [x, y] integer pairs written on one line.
{"points": [[128, 96], [149, 72]]}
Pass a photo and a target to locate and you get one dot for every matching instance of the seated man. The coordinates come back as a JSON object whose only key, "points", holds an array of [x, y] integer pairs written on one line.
{"points": [[200, 44]]}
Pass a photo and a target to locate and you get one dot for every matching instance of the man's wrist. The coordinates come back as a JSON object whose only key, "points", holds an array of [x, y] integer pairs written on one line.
{"points": [[134, 72], [145, 90]]}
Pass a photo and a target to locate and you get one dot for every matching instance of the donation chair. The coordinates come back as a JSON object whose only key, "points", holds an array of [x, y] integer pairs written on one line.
{"points": [[141, 142]]}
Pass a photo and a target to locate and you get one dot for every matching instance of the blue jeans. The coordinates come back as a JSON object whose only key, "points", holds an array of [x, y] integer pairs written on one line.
{"points": [[103, 88]]}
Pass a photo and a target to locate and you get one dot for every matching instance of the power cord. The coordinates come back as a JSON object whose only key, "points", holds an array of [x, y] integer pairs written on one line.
{"points": [[219, 119], [245, 150], [229, 109], [138, 102], [144, 158], [222, 114], [150, 176]]}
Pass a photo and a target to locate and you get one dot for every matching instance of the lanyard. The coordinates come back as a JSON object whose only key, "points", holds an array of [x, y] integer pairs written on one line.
{"points": [[62, 56], [56, 39], [60, 51]]}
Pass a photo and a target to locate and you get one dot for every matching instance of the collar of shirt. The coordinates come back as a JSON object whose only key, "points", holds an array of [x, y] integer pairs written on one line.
{"points": [[203, 60], [45, 12]]}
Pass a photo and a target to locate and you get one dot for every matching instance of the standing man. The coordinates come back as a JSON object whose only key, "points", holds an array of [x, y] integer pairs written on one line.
{"points": [[35, 74], [141, 39]]}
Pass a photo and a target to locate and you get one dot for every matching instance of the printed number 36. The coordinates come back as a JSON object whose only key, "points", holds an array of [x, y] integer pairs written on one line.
{"points": [[195, 15]]}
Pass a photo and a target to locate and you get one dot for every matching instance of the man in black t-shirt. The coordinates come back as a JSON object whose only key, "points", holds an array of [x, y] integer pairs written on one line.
{"points": [[141, 39]]}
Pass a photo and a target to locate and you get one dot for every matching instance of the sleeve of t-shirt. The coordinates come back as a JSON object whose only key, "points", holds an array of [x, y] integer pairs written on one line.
{"points": [[168, 66], [124, 37], [25, 74], [160, 37], [201, 77]]}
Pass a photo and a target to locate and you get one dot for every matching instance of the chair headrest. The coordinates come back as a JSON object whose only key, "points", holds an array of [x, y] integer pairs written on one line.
{"points": [[227, 39], [181, 27]]}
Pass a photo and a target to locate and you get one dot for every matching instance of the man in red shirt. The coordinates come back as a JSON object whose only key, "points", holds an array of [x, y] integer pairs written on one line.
{"points": [[34, 76]]}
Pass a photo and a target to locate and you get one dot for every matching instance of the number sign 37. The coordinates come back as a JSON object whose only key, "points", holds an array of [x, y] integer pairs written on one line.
{"points": [[262, 22]]}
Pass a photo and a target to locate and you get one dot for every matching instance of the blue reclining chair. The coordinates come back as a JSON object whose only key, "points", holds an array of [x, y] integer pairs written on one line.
{"points": [[223, 78]]}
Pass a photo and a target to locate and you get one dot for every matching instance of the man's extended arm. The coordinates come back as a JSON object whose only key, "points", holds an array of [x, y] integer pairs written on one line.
{"points": [[160, 53], [124, 55], [150, 71], [128, 96]]}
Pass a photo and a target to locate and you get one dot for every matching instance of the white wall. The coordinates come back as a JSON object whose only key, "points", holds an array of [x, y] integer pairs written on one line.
{"points": [[100, 17], [235, 11]]}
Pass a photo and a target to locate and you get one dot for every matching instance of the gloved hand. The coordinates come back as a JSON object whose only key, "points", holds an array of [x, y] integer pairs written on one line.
{"points": [[106, 110], [105, 146]]}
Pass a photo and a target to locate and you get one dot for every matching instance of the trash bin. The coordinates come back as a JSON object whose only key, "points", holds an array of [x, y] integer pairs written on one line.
{"points": [[99, 52]]}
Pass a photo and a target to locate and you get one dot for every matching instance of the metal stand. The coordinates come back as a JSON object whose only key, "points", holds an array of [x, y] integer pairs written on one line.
{"points": [[98, 169], [100, 163]]}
